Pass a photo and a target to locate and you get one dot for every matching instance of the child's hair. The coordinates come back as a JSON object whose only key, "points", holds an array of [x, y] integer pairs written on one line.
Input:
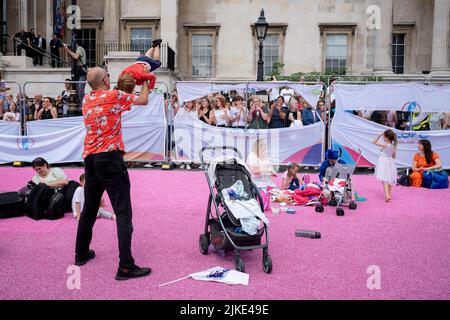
{"points": [[292, 169], [126, 83], [82, 177], [391, 137]]}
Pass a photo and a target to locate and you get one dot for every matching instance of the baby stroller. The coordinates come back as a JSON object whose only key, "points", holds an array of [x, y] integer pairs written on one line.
{"points": [[222, 229], [343, 194]]}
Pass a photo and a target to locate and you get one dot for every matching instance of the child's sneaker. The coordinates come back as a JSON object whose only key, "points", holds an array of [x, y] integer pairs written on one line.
{"points": [[156, 43]]}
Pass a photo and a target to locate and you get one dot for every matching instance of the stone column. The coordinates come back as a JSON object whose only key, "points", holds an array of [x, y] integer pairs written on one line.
{"points": [[383, 42], [111, 25], [169, 19], [440, 63], [23, 12], [49, 21]]}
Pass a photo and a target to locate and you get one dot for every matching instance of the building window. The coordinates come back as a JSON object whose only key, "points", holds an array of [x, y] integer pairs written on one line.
{"points": [[141, 39], [202, 59], [270, 53], [336, 54], [398, 53], [89, 43]]}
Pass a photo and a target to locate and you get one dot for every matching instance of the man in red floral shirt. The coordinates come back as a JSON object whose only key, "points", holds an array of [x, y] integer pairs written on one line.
{"points": [[105, 169]]}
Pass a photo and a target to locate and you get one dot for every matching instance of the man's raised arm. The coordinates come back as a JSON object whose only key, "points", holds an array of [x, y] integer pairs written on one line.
{"points": [[142, 99]]}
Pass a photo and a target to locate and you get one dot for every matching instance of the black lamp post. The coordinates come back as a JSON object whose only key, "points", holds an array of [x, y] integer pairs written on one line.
{"points": [[261, 27]]}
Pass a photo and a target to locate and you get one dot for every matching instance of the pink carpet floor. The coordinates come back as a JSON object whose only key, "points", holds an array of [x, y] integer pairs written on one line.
{"points": [[409, 239]]}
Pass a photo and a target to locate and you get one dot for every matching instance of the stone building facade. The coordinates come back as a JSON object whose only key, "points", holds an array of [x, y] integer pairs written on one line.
{"points": [[215, 39]]}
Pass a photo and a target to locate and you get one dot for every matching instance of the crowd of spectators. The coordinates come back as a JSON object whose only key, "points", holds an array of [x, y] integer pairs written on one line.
{"points": [[279, 108], [402, 120], [263, 111], [66, 104]]}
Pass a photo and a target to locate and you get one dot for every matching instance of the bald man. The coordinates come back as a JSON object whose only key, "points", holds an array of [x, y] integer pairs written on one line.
{"points": [[105, 169]]}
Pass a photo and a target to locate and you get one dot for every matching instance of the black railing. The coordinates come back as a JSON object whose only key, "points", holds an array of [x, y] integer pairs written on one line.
{"points": [[170, 59], [61, 60], [3, 39], [167, 54]]}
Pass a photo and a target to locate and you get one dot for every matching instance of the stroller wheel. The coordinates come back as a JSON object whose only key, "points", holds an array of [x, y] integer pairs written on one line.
{"points": [[203, 244], [333, 203], [239, 264], [267, 264], [340, 212], [320, 208], [353, 206]]}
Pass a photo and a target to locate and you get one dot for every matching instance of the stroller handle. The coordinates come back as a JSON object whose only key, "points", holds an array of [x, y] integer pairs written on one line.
{"points": [[219, 148]]}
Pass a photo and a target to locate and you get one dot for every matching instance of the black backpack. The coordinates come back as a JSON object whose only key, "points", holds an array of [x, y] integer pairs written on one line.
{"points": [[56, 207], [25, 193], [404, 180], [38, 202], [68, 192]]}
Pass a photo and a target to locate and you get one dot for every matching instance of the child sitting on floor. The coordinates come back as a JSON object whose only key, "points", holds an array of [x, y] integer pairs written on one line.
{"points": [[141, 70], [290, 180], [78, 203]]}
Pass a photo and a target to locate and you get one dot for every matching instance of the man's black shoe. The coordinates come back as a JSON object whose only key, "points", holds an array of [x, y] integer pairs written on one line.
{"points": [[156, 43], [132, 273], [82, 260]]}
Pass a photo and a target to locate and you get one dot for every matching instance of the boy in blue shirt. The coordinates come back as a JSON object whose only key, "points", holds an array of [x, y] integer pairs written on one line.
{"points": [[332, 157]]}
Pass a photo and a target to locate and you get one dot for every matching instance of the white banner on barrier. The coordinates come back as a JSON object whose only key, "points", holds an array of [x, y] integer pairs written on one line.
{"points": [[188, 91], [59, 147], [350, 133], [398, 96], [61, 140], [300, 145], [153, 112], [9, 128]]}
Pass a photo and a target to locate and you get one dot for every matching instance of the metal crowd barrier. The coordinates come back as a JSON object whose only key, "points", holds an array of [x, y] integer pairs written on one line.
{"points": [[417, 79], [25, 94], [15, 89], [247, 94], [54, 89]]}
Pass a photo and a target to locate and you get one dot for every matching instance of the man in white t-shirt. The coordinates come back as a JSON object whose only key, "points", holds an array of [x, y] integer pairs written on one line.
{"points": [[274, 93], [287, 94], [78, 203]]}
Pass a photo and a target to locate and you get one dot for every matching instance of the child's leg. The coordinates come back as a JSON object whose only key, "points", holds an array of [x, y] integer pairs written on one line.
{"points": [[150, 53], [386, 191], [390, 190], [295, 184], [155, 55]]}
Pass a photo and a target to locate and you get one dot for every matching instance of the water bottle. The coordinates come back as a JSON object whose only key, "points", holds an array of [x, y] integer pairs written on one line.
{"points": [[308, 234]]}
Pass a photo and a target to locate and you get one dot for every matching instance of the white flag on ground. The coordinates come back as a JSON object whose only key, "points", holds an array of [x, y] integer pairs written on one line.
{"points": [[217, 274]]}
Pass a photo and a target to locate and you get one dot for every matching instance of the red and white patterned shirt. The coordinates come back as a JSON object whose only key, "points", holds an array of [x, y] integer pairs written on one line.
{"points": [[102, 113]]}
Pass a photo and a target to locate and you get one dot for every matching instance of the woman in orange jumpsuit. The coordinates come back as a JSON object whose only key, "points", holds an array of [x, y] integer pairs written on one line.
{"points": [[424, 160]]}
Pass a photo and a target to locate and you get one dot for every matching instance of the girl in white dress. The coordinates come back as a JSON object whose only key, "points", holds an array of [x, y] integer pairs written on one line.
{"points": [[386, 169]]}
